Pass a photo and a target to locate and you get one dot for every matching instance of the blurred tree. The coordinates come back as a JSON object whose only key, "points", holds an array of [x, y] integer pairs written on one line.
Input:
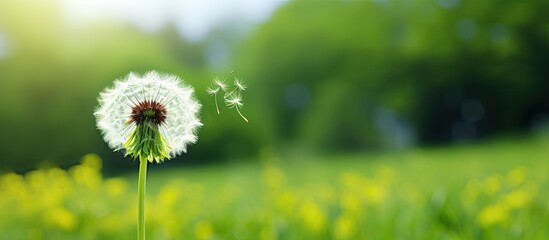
{"points": [[53, 73], [368, 74], [330, 75]]}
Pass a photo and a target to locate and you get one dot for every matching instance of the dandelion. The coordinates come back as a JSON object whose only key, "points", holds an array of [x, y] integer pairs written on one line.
{"points": [[151, 118]]}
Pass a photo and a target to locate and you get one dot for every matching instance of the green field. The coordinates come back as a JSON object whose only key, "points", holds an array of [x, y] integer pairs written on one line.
{"points": [[493, 190]]}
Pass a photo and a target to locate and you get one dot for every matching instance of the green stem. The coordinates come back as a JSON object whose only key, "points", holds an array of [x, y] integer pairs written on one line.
{"points": [[216, 106], [245, 119], [141, 195]]}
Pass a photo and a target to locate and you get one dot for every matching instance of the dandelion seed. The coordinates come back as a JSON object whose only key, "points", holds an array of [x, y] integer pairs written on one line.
{"points": [[212, 90], [234, 100], [220, 83], [239, 84]]}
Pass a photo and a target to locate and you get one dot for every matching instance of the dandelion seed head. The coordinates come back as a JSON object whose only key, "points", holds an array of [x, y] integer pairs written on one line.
{"points": [[161, 101], [148, 110], [234, 100], [212, 90], [239, 84], [220, 83]]}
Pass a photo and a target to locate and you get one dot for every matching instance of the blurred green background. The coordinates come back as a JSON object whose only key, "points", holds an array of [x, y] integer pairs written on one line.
{"points": [[333, 86], [324, 76]]}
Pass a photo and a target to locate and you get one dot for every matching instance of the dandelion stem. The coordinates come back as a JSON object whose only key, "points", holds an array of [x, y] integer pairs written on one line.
{"points": [[141, 195], [245, 119], [216, 106]]}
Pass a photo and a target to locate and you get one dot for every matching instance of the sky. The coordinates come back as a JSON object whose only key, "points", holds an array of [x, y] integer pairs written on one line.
{"points": [[193, 18]]}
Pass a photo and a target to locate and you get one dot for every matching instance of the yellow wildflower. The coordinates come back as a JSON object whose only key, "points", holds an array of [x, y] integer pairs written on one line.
{"points": [[516, 176], [61, 218], [313, 216], [203, 230], [274, 176], [345, 227], [492, 215], [375, 194], [116, 186], [492, 184], [517, 199]]}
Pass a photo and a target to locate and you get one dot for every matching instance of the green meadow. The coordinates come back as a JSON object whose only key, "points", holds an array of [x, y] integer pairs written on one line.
{"points": [[491, 190]]}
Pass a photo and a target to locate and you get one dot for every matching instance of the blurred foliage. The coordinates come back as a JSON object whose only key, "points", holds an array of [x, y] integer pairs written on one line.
{"points": [[369, 74], [396, 196], [323, 75], [53, 72]]}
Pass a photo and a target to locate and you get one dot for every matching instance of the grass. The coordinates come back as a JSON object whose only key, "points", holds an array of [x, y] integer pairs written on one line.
{"points": [[428, 167], [491, 190]]}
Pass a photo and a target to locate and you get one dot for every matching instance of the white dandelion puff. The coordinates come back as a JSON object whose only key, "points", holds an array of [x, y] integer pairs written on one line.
{"points": [[153, 117]]}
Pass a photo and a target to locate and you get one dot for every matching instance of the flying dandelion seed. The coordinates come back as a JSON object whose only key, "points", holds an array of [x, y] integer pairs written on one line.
{"points": [[218, 84], [232, 97], [235, 101], [212, 90], [239, 84]]}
